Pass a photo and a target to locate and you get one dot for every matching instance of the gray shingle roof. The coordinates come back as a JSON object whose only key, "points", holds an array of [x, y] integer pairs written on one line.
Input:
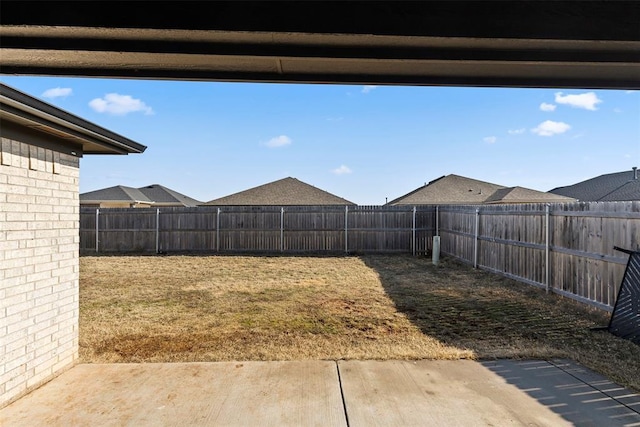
{"points": [[284, 192], [525, 195], [619, 186], [118, 193], [449, 189], [153, 194], [163, 195], [459, 190]]}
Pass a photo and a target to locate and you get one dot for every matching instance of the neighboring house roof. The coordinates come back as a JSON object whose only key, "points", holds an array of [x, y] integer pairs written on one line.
{"points": [[119, 193], [89, 138], [449, 189], [611, 187], [459, 190], [284, 192], [525, 195], [163, 195], [152, 194]]}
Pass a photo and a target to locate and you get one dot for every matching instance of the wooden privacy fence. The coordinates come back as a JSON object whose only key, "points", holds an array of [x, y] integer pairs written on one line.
{"points": [[565, 248], [291, 229]]}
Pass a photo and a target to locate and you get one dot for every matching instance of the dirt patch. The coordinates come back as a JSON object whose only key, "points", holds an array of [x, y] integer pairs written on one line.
{"points": [[221, 308]]}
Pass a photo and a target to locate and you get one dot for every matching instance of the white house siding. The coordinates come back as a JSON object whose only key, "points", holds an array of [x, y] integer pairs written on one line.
{"points": [[39, 266]]}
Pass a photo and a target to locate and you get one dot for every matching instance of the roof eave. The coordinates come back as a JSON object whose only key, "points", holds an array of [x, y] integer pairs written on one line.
{"points": [[18, 106]]}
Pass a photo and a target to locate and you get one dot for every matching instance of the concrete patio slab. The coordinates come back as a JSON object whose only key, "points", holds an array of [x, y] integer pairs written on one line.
{"points": [[305, 393], [327, 393], [436, 393], [579, 395], [621, 394]]}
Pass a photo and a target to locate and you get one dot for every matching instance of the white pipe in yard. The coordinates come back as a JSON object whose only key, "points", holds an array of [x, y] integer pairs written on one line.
{"points": [[218, 230], [97, 227], [346, 221], [158, 230], [281, 229], [475, 243], [413, 232], [435, 254]]}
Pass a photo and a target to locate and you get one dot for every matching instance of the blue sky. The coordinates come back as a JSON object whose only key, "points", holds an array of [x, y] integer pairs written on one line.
{"points": [[363, 143]]}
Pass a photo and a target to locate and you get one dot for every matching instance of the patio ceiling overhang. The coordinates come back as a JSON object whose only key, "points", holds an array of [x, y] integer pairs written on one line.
{"points": [[498, 44]]}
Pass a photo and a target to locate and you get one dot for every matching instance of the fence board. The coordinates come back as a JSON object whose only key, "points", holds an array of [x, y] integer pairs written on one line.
{"points": [[511, 241]]}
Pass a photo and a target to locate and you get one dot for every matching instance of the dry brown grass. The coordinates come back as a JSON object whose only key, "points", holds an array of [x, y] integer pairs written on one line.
{"points": [[215, 308]]}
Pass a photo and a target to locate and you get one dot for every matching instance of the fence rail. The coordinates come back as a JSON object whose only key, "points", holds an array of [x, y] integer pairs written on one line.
{"points": [[294, 229], [565, 248]]}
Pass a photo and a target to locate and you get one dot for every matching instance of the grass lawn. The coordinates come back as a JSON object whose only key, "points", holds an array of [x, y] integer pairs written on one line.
{"points": [[221, 308]]}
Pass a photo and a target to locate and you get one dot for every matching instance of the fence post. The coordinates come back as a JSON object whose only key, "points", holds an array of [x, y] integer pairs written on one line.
{"points": [[346, 222], [475, 243], [437, 220], [97, 227], [281, 229], [218, 230], [547, 246], [158, 230], [413, 232]]}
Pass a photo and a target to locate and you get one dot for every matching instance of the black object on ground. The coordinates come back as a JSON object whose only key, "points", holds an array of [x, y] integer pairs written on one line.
{"points": [[625, 320]]}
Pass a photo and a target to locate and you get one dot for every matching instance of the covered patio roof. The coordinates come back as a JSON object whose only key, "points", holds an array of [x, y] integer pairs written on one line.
{"points": [[503, 44]]}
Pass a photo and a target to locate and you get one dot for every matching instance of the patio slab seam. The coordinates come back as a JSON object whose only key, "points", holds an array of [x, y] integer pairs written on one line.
{"points": [[344, 402]]}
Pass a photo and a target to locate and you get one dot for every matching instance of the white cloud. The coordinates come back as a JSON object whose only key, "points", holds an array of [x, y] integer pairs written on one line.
{"points": [[490, 139], [617, 110], [588, 100], [547, 107], [119, 105], [516, 131], [550, 128], [368, 88], [278, 141], [57, 92], [341, 170], [630, 91]]}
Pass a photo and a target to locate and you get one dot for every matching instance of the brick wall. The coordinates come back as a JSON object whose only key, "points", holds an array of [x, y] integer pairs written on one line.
{"points": [[39, 266]]}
